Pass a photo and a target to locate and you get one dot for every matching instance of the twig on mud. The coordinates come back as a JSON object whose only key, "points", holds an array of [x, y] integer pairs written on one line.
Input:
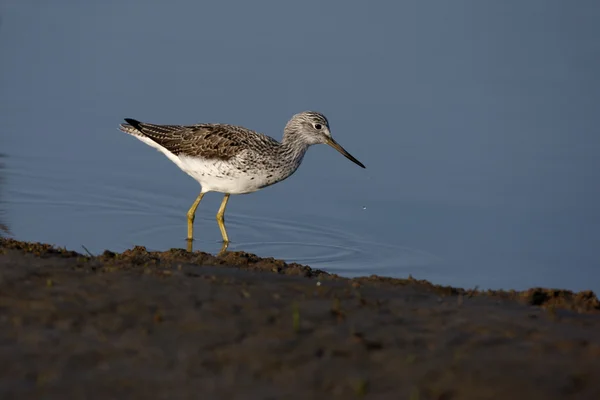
{"points": [[472, 292], [296, 317], [87, 251]]}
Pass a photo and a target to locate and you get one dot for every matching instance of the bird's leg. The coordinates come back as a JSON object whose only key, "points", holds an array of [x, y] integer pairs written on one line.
{"points": [[191, 215], [221, 218], [223, 249]]}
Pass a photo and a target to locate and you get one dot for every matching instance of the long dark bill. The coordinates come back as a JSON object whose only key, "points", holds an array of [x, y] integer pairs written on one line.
{"points": [[339, 148]]}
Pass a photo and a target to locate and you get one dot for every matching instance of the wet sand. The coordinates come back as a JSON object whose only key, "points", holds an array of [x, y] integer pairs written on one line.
{"points": [[190, 325]]}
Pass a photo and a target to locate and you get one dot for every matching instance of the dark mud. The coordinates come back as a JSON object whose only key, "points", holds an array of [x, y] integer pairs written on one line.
{"points": [[191, 325]]}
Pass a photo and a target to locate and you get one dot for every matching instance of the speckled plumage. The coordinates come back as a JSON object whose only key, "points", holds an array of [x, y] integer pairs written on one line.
{"points": [[210, 141], [241, 159], [232, 159]]}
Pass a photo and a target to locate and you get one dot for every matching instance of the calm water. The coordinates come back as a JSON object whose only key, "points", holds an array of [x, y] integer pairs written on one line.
{"points": [[477, 121]]}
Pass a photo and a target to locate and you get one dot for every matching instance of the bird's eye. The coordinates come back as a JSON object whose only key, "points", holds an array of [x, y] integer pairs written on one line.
{"points": [[318, 127]]}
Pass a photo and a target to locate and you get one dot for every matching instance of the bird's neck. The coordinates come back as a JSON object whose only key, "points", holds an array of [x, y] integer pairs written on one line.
{"points": [[293, 148]]}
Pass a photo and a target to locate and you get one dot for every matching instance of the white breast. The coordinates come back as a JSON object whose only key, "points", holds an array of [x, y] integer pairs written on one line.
{"points": [[221, 176], [217, 175]]}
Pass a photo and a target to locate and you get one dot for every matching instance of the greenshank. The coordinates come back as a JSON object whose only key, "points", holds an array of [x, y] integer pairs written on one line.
{"points": [[232, 159]]}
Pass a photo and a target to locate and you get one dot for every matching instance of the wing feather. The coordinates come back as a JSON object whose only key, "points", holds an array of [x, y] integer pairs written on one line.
{"points": [[210, 141]]}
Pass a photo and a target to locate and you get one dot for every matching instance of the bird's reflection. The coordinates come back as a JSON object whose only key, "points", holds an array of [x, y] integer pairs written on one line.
{"points": [[3, 226], [224, 246]]}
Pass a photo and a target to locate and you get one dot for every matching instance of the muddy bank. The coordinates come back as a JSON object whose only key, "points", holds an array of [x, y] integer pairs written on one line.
{"points": [[191, 325]]}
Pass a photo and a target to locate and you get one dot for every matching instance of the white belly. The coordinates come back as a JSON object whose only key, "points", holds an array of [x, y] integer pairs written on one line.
{"points": [[220, 176], [217, 175]]}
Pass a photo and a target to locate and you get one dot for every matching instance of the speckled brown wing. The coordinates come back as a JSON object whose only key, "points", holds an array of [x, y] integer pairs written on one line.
{"points": [[210, 141]]}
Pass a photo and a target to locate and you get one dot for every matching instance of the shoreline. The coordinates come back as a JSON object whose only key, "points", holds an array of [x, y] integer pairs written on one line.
{"points": [[581, 301], [177, 324]]}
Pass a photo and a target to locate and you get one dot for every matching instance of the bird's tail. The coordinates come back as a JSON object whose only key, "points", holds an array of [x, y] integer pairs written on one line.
{"points": [[130, 127]]}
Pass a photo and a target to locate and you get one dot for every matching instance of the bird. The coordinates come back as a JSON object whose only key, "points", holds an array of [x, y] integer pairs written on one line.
{"points": [[232, 159]]}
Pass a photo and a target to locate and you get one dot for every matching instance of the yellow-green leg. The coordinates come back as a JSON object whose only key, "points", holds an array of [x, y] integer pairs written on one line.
{"points": [[191, 215], [221, 218], [223, 249]]}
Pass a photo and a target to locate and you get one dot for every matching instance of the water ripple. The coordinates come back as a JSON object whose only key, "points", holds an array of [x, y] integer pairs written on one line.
{"points": [[103, 214]]}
